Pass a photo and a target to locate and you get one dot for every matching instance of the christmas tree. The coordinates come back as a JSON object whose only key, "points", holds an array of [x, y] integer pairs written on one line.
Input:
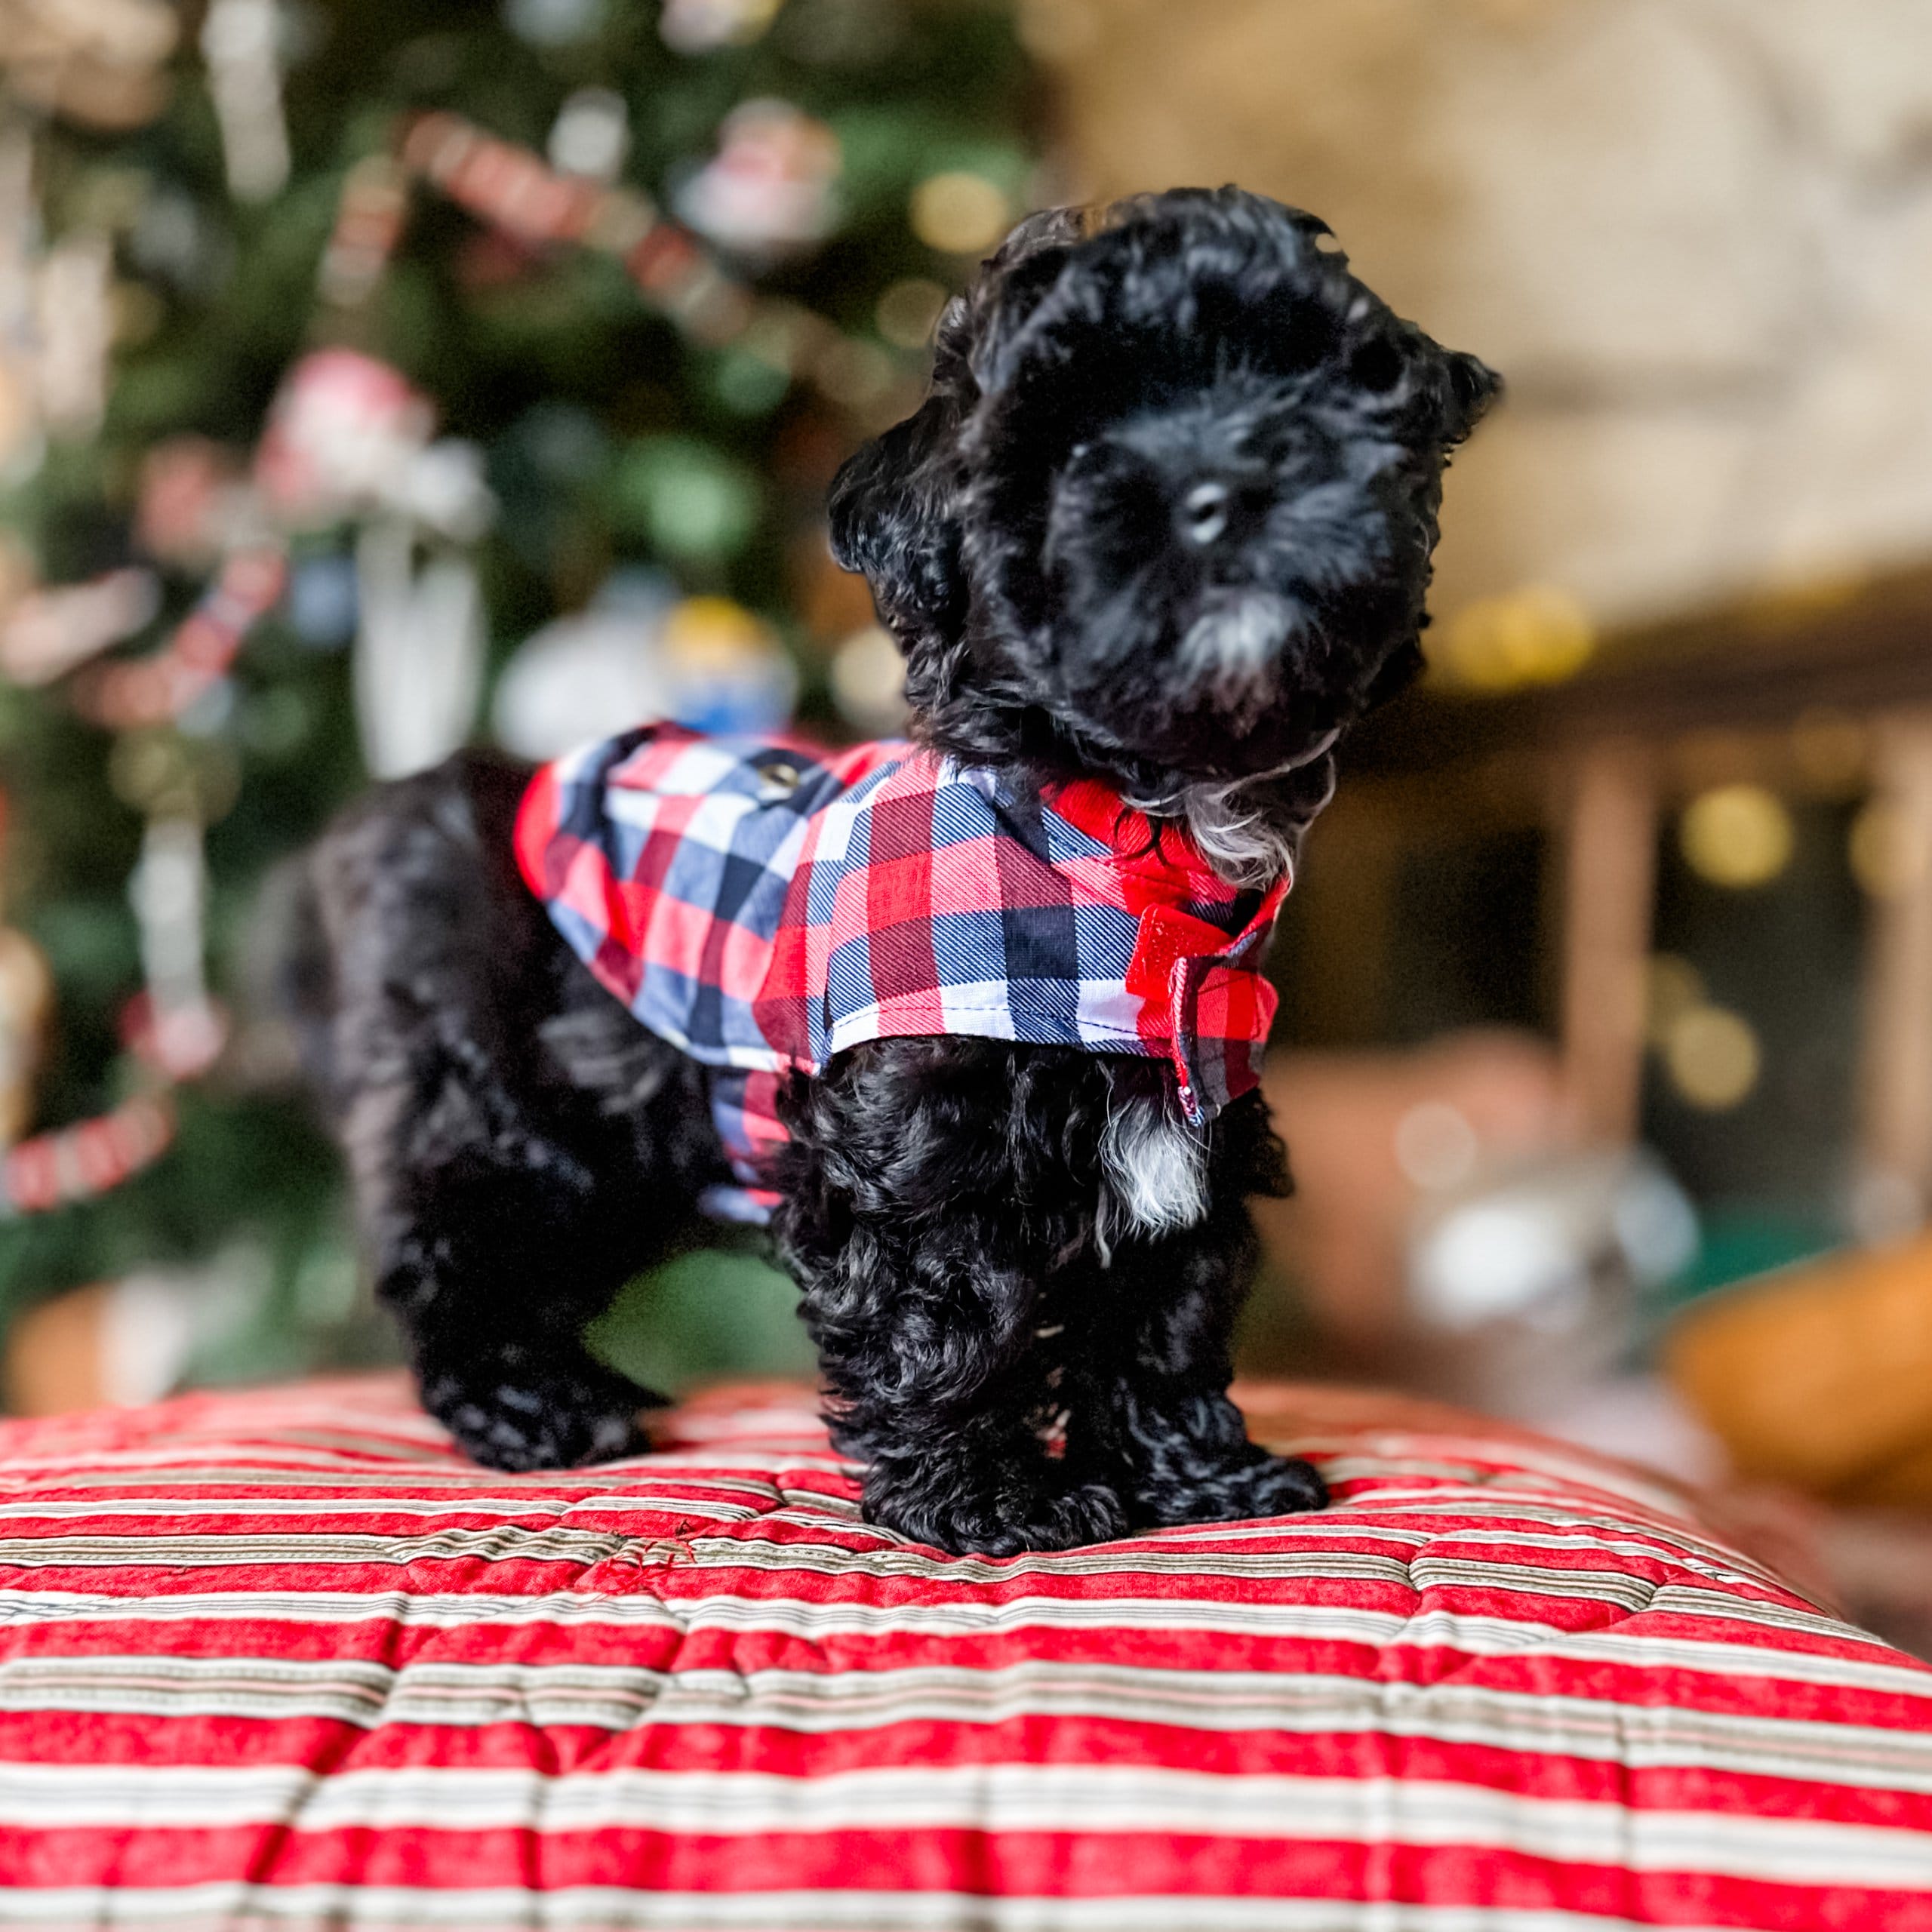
{"points": [[374, 378]]}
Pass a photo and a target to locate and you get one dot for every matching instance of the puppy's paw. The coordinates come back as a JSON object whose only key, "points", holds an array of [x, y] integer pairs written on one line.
{"points": [[1273, 1486], [977, 1524], [556, 1420]]}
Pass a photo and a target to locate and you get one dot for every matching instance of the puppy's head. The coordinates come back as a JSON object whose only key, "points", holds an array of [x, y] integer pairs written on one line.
{"points": [[1174, 489]]}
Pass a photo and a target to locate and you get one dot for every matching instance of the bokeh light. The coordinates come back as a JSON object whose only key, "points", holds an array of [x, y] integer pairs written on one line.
{"points": [[907, 310], [1539, 635], [1712, 1056], [1736, 835], [1672, 987], [958, 214]]}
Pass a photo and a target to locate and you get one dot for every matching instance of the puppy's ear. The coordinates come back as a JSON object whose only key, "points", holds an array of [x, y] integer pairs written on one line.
{"points": [[1011, 286], [1472, 387], [893, 520], [1003, 319], [1402, 667]]}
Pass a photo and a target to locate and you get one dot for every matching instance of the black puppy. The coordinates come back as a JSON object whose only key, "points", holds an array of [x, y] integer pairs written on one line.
{"points": [[1164, 523]]}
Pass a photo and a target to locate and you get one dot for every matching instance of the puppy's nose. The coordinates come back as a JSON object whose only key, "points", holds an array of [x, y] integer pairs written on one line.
{"points": [[1205, 512]]}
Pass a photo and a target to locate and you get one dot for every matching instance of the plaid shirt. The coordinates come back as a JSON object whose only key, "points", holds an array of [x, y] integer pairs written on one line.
{"points": [[763, 905]]}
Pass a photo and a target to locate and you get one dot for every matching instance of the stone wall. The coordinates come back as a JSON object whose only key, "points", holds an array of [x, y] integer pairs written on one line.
{"points": [[1696, 236]]}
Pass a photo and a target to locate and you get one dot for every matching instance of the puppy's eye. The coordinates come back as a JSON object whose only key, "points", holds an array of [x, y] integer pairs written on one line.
{"points": [[1377, 366]]}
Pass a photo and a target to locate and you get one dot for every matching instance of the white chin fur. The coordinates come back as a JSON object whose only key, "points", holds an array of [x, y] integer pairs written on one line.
{"points": [[1234, 646], [1153, 1174], [1244, 843]]}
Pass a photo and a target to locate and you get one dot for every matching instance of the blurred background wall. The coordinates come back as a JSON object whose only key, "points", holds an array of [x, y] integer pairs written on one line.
{"points": [[1695, 234]]}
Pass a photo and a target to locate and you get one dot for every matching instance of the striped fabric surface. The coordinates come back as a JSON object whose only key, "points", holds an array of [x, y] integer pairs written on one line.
{"points": [[283, 1658]]}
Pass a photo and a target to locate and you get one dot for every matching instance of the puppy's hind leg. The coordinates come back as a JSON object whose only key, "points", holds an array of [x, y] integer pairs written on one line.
{"points": [[519, 1144]]}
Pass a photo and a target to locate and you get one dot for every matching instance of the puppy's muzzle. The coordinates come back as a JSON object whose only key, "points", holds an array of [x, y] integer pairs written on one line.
{"points": [[1234, 649]]}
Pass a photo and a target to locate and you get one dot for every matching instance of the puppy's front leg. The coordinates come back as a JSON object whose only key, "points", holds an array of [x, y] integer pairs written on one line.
{"points": [[923, 1248], [1155, 1353]]}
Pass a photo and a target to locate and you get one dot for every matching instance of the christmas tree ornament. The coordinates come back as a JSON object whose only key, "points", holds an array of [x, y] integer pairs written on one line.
{"points": [[368, 224], [504, 183], [418, 657], [554, 23], [566, 682], [162, 771], [172, 1024], [513, 189], [692, 502], [26, 1000], [442, 488], [19, 228], [592, 135], [169, 238], [868, 679], [49, 632], [343, 429], [193, 502], [723, 669], [772, 189], [239, 42], [19, 420], [89, 1159], [151, 689], [701, 27], [95, 62], [639, 653], [321, 600], [75, 323], [841, 33]]}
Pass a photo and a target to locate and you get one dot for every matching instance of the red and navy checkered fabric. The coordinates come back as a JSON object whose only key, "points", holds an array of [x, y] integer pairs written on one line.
{"points": [[764, 905]]}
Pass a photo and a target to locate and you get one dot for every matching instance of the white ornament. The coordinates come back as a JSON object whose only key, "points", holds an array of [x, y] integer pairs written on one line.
{"points": [[418, 660], [442, 487], [591, 136], [169, 892], [75, 323], [553, 22], [773, 186], [698, 26], [586, 675], [239, 42], [868, 676]]}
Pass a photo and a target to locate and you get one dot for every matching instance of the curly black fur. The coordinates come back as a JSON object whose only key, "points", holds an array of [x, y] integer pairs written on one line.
{"points": [[1166, 518]]}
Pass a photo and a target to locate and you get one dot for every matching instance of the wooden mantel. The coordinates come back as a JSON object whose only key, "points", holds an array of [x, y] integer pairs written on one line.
{"points": [[1591, 758]]}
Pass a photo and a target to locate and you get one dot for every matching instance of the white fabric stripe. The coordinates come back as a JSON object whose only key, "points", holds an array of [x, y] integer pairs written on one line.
{"points": [[1300, 1555], [619, 1697], [459, 1479], [601, 1909], [812, 1623], [1094, 1800], [294, 1508]]}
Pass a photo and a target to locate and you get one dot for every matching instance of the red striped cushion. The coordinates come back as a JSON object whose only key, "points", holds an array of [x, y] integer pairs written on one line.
{"points": [[284, 1659]]}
